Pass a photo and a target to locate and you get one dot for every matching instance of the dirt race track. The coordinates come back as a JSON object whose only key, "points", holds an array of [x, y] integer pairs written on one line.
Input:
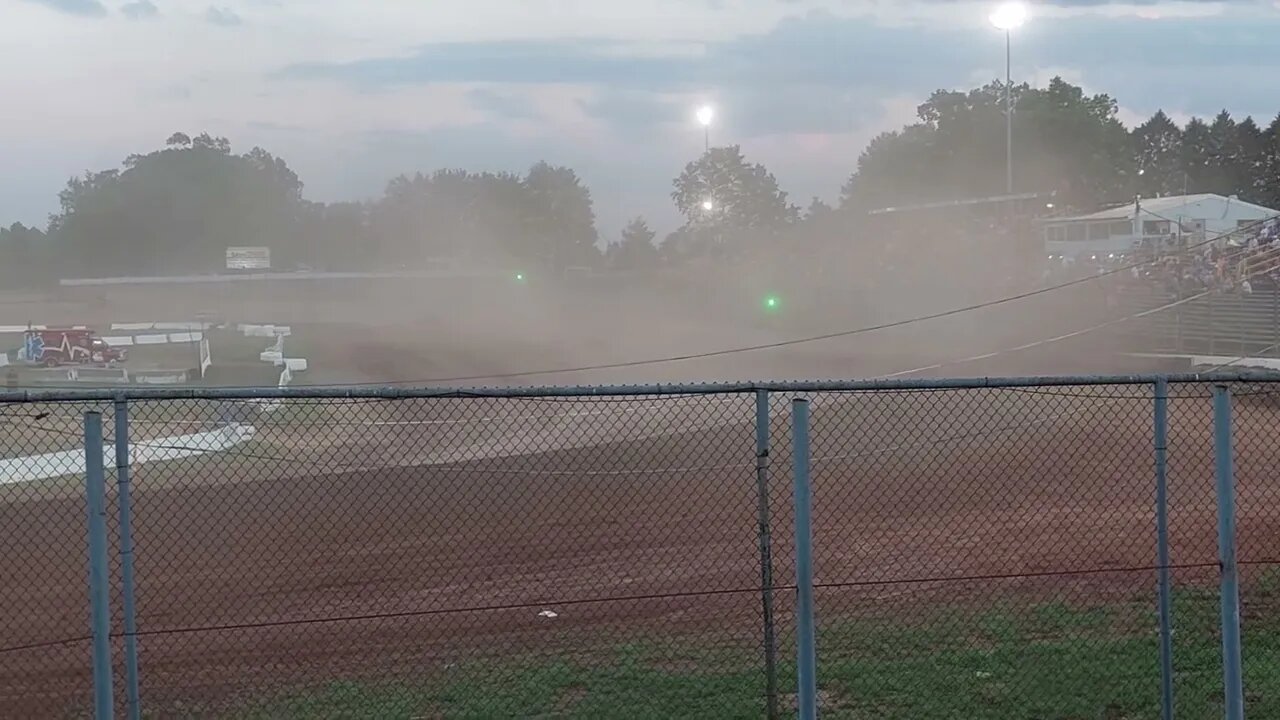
{"points": [[627, 518]]}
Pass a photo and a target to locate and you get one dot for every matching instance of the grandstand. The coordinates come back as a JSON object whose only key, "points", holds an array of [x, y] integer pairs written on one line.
{"points": [[1221, 292], [1160, 224]]}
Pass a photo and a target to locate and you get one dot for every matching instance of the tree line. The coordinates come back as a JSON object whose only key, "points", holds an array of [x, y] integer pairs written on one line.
{"points": [[177, 209]]}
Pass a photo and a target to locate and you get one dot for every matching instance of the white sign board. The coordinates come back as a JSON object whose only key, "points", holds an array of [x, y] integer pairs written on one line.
{"points": [[248, 258]]}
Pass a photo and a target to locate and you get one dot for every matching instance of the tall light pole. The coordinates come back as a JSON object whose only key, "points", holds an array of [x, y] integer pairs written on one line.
{"points": [[1009, 17], [706, 114]]}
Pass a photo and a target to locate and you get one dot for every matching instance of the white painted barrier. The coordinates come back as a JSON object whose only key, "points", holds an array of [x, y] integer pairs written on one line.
{"points": [[1220, 361], [175, 338], [154, 378], [206, 357], [71, 462], [179, 326], [135, 326], [21, 328]]}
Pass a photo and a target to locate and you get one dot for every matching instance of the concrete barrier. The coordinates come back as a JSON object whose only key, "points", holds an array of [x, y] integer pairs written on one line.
{"points": [[71, 462]]}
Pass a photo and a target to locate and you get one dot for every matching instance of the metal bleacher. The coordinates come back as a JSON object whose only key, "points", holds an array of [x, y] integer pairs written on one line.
{"points": [[1220, 323]]}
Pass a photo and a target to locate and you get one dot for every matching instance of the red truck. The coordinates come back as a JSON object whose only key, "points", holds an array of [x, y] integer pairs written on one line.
{"points": [[55, 347]]}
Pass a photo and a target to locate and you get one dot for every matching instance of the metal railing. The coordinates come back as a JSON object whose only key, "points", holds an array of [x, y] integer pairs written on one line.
{"points": [[1261, 262], [1019, 547], [1218, 324]]}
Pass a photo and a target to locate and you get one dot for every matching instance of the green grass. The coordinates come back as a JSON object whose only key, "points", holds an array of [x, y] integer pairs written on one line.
{"points": [[1047, 661]]}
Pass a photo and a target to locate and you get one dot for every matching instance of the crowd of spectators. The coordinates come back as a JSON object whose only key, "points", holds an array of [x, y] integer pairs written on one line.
{"points": [[1240, 262]]}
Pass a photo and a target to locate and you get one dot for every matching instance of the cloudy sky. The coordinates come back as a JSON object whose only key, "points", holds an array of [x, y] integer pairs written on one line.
{"points": [[353, 92]]}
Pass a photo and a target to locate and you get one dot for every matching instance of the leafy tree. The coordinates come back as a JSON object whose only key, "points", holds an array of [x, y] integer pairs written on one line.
{"points": [[1250, 156], [1066, 142], [1267, 180], [1197, 155], [1223, 154], [24, 256], [176, 210], [545, 218], [429, 216], [724, 197], [559, 221], [636, 250], [335, 237], [1157, 148]]}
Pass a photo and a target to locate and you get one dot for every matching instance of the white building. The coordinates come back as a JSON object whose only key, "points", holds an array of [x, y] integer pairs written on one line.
{"points": [[1123, 229]]}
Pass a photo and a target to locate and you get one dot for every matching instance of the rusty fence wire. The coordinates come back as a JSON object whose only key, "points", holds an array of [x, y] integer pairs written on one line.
{"points": [[1089, 547]]}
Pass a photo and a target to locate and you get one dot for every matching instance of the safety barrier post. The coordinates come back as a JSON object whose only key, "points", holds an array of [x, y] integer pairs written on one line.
{"points": [[1162, 547], [1233, 686], [806, 652], [766, 553], [96, 500], [124, 496]]}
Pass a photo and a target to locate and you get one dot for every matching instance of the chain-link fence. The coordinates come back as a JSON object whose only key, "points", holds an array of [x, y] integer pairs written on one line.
{"points": [[1006, 549]]}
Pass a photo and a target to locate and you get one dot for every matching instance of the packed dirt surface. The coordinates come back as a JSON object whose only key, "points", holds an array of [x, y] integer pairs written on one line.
{"points": [[396, 540]]}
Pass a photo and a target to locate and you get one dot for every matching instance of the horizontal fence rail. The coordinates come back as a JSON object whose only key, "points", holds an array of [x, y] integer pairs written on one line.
{"points": [[990, 547]]}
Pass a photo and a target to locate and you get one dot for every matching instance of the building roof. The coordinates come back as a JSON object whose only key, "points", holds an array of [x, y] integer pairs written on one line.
{"points": [[995, 199], [1161, 206]]}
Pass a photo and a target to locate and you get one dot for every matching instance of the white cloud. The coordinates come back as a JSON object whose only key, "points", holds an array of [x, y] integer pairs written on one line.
{"points": [[94, 91]]}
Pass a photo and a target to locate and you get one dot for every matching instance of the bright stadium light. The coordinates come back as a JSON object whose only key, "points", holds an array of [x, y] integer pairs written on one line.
{"points": [[1009, 16], [771, 302], [708, 205], [706, 115], [519, 277]]}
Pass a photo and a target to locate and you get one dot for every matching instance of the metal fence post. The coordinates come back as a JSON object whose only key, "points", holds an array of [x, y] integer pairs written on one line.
{"points": [[95, 497], [766, 553], [806, 653], [1162, 547], [124, 497], [1230, 578]]}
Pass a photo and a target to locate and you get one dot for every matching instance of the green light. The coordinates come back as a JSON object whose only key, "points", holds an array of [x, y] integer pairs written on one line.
{"points": [[520, 277], [771, 302]]}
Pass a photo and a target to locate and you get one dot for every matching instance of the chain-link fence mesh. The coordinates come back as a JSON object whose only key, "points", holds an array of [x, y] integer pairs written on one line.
{"points": [[978, 552], [1256, 435]]}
